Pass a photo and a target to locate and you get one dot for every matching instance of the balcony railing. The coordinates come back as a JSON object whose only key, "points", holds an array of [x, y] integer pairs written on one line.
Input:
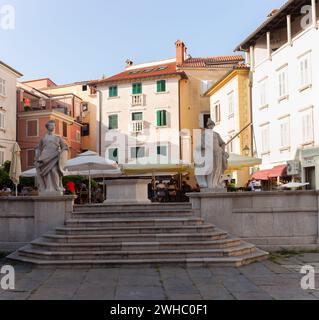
{"points": [[137, 126], [137, 100]]}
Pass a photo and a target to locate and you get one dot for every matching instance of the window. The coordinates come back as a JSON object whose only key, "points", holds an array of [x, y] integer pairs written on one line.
{"points": [[1, 158], [216, 113], [305, 70], [65, 130], [162, 151], [231, 104], [114, 154], [263, 97], [2, 87], [137, 88], [307, 126], [78, 136], [30, 158], [137, 124], [113, 122], [85, 107], [203, 119], [84, 88], [113, 91], [85, 130], [137, 116], [285, 133], [137, 152], [2, 120], [32, 128], [265, 139], [230, 145], [161, 86], [283, 82], [161, 118]]}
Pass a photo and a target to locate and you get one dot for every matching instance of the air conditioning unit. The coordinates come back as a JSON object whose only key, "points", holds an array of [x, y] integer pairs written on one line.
{"points": [[293, 168]]}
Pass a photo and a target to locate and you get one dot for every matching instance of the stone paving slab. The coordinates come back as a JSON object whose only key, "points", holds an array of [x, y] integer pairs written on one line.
{"points": [[279, 280]]}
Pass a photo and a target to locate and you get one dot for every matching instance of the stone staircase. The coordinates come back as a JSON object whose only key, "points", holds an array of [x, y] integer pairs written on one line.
{"points": [[132, 235]]}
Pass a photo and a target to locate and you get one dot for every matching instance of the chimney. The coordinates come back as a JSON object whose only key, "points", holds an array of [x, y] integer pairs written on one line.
{"points": [[129, 63], [272, 13], [180, 52]]}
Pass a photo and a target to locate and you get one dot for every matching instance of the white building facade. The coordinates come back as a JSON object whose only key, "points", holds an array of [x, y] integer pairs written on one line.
{"points": [[140, 113], [283, 56], [8, 110]]}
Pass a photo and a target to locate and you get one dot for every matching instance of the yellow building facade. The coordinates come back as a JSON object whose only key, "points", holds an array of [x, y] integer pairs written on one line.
{"points": [[230, 108]]}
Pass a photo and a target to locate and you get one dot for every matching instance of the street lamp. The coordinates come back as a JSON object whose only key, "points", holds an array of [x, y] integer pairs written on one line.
{"points": [[246, 151]]}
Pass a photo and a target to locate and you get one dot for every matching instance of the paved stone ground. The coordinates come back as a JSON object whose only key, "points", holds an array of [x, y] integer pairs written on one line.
{"points": [[260, 281]]}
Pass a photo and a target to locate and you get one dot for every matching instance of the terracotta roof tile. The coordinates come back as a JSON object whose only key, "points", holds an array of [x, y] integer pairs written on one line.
{"points": [[146, 72], [213, 62]]}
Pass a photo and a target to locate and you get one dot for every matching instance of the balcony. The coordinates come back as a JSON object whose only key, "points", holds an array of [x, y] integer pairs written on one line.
{"points": [[137, 100], [137, 126]]}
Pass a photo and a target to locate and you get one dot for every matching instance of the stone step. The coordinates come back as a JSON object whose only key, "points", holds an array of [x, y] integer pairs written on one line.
{"points": [[156, 207], [41, 244], [240, 250], [131, 214], [134, 222], [184, 237], [135, 230], [255, 256]]}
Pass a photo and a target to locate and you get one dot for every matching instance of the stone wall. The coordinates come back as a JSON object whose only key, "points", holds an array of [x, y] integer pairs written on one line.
{"points": [[271, 220], [24, 219]]}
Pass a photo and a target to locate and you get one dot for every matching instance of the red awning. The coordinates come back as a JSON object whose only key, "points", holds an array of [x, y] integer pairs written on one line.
{"points": [[278, 171]]}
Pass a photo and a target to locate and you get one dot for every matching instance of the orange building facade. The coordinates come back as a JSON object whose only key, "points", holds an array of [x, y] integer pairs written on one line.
{"points": [[35, 109]]}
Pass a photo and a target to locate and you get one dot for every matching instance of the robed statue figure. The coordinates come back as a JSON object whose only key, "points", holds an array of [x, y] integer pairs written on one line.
{"points": [[211, 160], [50, 160]]}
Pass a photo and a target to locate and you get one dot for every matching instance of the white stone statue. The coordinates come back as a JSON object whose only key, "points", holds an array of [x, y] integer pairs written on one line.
{"points": [[211, 160], [50, 160]]}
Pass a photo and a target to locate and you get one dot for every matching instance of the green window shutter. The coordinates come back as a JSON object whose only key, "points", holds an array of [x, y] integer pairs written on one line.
{"points": [[161, 118], [161, 86], [113, 91], [113, 122], [137, 88], [164, 119], [136, 116], [158, 118]]}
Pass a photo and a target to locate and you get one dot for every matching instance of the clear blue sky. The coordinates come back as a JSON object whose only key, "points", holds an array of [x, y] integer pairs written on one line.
{"points": [[73, 40]]}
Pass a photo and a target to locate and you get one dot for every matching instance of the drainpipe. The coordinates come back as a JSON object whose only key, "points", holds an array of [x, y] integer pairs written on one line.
{"points": [[100, 120], [251, 112]]}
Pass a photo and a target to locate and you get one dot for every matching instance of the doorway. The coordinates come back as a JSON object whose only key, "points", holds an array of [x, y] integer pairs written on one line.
{"points": [[310, 177]]}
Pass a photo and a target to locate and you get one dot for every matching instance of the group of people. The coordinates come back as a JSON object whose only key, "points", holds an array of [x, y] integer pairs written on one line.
{"points": [[82, 191], [168, 191]]}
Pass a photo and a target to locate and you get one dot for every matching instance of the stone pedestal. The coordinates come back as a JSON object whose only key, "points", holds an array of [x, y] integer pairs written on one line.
{"points": [[23, 219], [127, 191]]}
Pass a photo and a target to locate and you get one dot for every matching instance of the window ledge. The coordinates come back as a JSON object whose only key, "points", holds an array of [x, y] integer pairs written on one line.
{"points": [[306, 144], [266, 106], [164, 92], [162, 127], [265, 153], [2, 96], [113, 98], [231, 116], [285, 149], [286, 97], [305, 87], [3, 130]]}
